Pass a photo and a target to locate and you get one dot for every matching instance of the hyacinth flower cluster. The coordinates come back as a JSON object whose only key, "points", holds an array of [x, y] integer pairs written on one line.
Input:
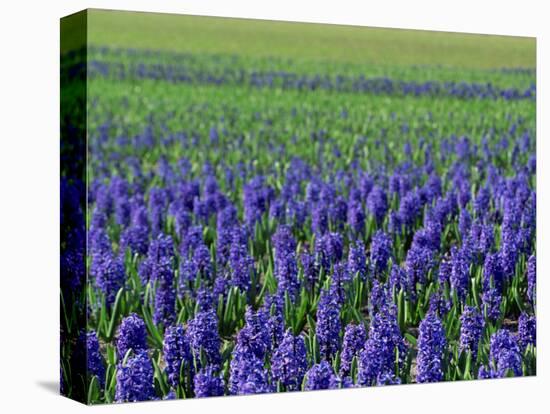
{"points": [[432, 343], [251, 244]]}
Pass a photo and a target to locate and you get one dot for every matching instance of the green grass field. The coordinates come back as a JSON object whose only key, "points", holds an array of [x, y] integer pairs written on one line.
{"points": [[349, 44]]}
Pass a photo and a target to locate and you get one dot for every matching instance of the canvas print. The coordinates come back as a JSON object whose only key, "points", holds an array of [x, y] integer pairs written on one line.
{"points": [[265, 207]]}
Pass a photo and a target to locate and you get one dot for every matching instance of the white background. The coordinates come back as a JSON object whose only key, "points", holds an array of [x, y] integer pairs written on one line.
{"points": [[29, 171]]}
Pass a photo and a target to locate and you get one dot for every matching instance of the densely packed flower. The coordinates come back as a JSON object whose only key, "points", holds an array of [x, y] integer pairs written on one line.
{"points": [[328, 324], [207, 383], [289, 362], [355, 337], [321, 377], [471, 329], [131, 335], [505, 356], [95, 363], [177, 354], [256, 225], [431, 348], [134, 379], [385, 349]]}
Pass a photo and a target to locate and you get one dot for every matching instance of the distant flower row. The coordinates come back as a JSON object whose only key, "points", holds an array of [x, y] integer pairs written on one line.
{"points": [[175, 73]]}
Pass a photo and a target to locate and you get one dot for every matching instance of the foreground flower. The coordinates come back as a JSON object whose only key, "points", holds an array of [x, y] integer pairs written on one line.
{"points": [[357, 261], [431, 347], [165, 305], [491, 304], [460, 272], [471, 328], [493, 276], [240, 261], [289, 362], [177, 353], [131, 334], [248, 375], [204, 336], [377, 203], [354, 340], [95, 364], [110, 275], [527, 330], [207, 383], [532, 278], [504, 357], [286, 267], [328, 325], [329, 249], [321, 377], [385, 349], [134, 379]]}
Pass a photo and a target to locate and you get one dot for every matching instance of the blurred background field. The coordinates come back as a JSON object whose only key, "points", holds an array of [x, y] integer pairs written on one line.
{"points": [[350, 44]]}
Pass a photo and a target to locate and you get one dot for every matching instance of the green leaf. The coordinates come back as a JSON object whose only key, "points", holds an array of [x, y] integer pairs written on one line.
{"points": [[410, 338], [93, 390], [115, 315], [154, 333]]}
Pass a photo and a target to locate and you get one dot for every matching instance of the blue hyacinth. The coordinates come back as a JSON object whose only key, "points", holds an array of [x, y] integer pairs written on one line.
{"points": [[385, 349], [95, 363], [355, 337], [321, 377], [431, 348], [254, 338], [203, 336], [356, 217], [135, 238], [532, 279], [493, 276], [418, 262], [134, 379], [253, 377], [492, 300], [273, 309], [165, 305], [471, 329], [207, 383], [310, 269], [527, 330], [505, 355], [240, 261], [110, 275], [329, 249], [131, 334], [319, 219], [340, 280], [328, 325], [460, 272], [357, 260], [289, 362], [380, 252], [286, 267], [177, 354], [377, 203]]}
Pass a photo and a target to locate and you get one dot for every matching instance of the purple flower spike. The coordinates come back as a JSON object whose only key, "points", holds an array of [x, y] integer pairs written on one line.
{"points": [[321, 377], [328, 325], [131, 334], [134, 379], [177, 353], [289, 362], [431, 348]]}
